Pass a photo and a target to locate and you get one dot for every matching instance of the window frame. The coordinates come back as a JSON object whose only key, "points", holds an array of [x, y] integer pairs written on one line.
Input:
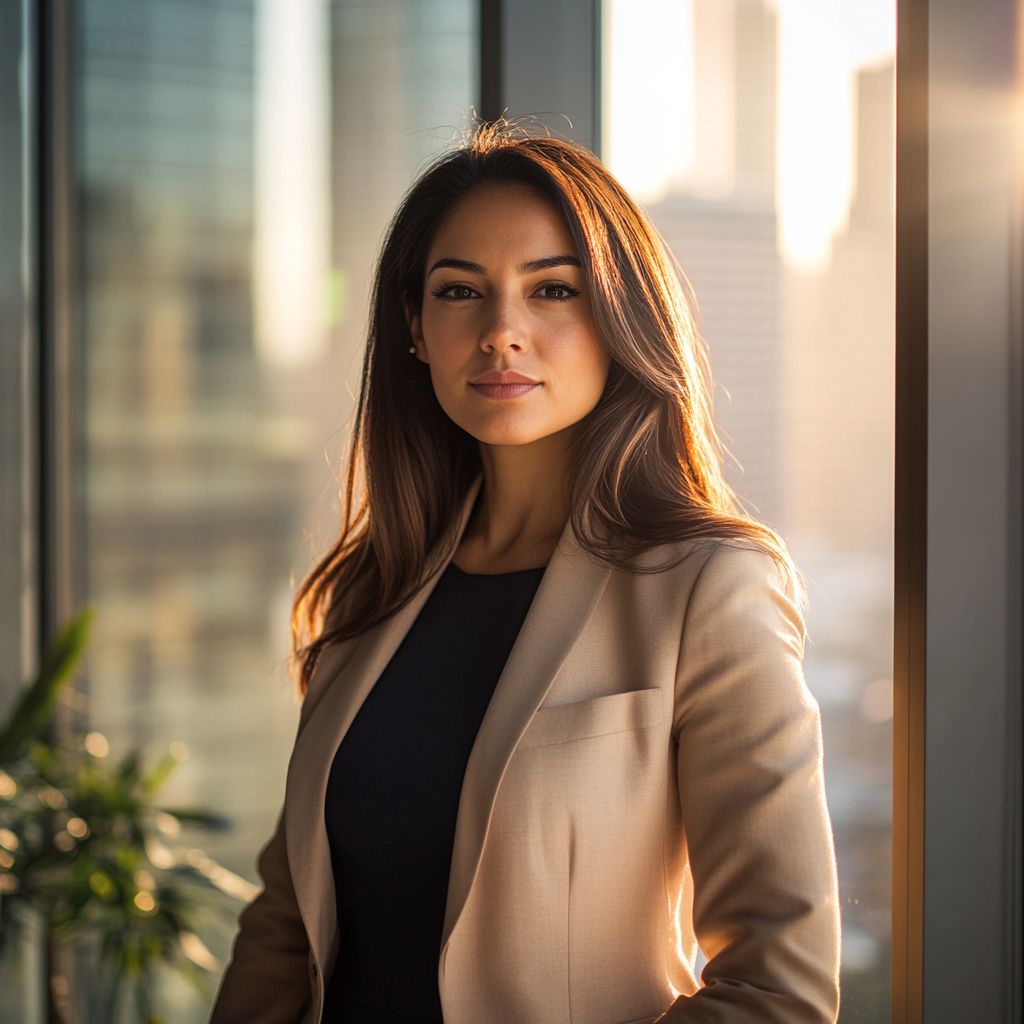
{"points": [[910, 548], [959, 459]]}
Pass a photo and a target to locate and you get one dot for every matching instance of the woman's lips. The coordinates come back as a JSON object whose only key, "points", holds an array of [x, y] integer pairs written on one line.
{"points": [[503, 384], [503, 390]]}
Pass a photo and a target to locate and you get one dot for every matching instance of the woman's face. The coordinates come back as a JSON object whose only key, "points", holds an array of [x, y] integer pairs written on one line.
{"points": [[506, 325]]}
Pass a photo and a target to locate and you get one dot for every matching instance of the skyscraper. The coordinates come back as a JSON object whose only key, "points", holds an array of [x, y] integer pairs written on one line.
{"points": [[720, 224], [839, 327], [189, 515]]}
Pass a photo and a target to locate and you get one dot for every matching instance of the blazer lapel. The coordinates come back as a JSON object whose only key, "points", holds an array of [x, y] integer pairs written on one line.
{"points": [[567, 596], [357, 670]]}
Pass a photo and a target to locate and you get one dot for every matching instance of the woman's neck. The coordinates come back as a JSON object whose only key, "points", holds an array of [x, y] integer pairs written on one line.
{"points": [[523, 506]]}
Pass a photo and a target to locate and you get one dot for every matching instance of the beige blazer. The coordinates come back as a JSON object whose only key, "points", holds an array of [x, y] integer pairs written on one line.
{"points": [[648, 776]]}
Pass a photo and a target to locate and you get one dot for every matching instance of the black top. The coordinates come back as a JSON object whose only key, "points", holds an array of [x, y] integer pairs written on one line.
{"points": [[393, 795]]}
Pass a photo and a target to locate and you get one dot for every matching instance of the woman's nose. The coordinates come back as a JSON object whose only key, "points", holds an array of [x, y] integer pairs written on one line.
{"points": [[506, 329]]}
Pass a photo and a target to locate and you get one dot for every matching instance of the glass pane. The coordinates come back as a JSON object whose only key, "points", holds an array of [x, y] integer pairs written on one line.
{"points": [[237, 164], [768, 166]]}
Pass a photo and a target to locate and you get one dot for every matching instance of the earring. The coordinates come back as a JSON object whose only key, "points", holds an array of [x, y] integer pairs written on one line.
{"points": [[412, 350]]}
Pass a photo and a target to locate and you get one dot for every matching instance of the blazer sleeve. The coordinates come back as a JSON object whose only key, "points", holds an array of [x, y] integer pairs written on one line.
{"points": [[766, 909], [267, 981]]}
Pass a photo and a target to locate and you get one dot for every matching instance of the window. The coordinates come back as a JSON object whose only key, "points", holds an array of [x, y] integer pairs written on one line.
{"points": [[773, 184], [236, 164]]}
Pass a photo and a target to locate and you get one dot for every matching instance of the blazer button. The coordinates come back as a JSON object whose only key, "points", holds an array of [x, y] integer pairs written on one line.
{"points": [[312, 970]]}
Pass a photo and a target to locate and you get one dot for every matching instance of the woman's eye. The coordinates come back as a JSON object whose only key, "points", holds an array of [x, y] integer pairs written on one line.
{"points": [[454, 291], [558, 292]]}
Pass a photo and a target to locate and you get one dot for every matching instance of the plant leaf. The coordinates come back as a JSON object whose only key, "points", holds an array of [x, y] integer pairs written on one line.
{"points": [[154, 781], [199, 818], [35, 708]]}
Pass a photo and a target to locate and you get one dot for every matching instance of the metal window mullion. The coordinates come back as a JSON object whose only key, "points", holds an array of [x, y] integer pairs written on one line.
{"points": [[57, 380], [542, 61], [911, 512]]}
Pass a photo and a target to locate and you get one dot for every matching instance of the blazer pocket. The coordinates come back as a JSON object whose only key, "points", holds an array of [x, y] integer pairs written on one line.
{"points": [[601, 716]]}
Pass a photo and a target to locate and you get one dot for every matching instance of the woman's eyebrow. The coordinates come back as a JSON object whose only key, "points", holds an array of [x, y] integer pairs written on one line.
{"points": [[466, 265], [531, 267], [548, 262]]}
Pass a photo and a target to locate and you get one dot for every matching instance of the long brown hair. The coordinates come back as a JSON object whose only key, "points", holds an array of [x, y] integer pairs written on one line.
{"points": [[648, 463]]}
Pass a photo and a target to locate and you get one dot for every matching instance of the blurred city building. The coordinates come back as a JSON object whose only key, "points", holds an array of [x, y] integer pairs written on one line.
{"points": [[720, 224], [839, 329], [839, 442], [188, 501]]}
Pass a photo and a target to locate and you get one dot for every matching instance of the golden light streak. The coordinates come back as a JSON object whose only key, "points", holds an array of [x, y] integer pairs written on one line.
{"points": [[194, 948], [291, 255], [225, 880]]}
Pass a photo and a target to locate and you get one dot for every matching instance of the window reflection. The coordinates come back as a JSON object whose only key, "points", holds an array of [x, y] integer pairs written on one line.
{"points": [[236, 165], [768, 167]]}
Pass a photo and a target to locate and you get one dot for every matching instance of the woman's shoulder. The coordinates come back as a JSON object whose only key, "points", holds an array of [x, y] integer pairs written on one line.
{"points": [[715, 555], [719, 578]]}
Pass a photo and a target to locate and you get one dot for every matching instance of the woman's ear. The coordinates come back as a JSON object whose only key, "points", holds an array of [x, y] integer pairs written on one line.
{"points": [[415, 321]]}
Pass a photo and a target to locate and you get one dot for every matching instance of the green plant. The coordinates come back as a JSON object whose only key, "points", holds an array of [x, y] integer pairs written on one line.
{"points": [[83, 845]]}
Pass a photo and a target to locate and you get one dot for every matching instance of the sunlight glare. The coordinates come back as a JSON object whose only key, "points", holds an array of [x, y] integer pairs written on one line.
{"points": [[652, 142], [650, 72], [822, 43], [291, 245]]}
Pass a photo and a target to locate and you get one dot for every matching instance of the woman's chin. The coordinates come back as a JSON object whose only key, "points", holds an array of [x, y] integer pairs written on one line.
{"points": [[513, 435], [507, 438], [505, 431]]}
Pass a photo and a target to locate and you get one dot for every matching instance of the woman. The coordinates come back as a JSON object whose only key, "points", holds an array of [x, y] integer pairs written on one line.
{"points": [[555, 731]]}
